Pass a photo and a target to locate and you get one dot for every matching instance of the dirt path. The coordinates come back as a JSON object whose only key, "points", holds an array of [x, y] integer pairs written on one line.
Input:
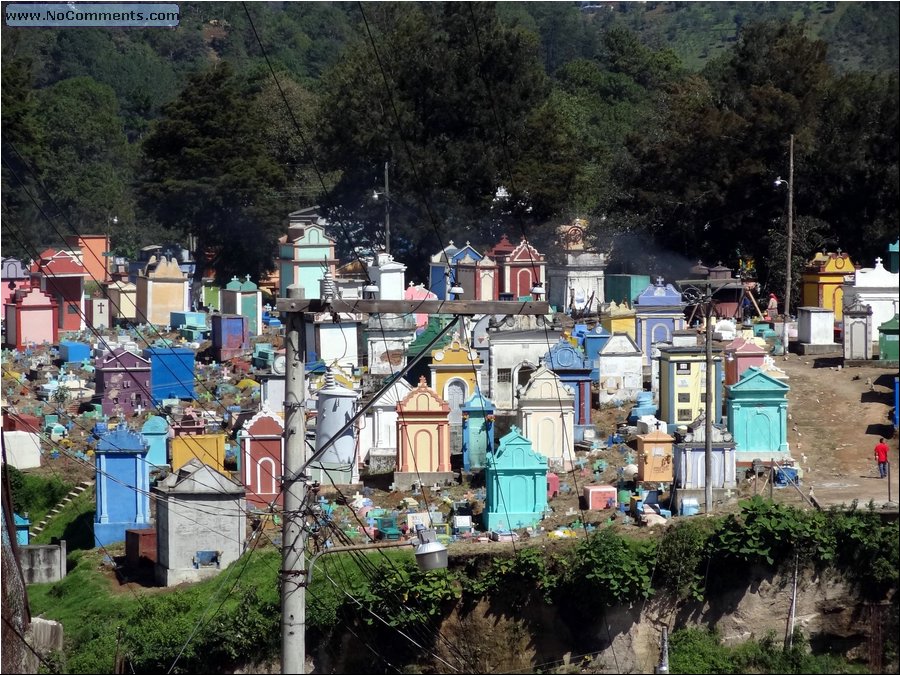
{"points": [[836, 417]]}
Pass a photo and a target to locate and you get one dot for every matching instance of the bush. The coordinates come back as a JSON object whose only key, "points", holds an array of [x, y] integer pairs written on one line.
{"points": [[35, 495], [699, 651], [613, 569], [682, 558]]}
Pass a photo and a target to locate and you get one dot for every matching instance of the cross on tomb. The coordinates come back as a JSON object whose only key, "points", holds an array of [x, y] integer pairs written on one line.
{"points": [[392, 487]]}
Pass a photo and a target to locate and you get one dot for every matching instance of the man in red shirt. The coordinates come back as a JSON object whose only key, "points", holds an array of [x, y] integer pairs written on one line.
{"points": [[881, 453]]}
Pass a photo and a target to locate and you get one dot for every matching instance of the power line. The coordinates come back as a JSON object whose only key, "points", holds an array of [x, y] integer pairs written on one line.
{"points": [[102, 340], [80, 312], [200, 623], [508, 166], [189, 439]]}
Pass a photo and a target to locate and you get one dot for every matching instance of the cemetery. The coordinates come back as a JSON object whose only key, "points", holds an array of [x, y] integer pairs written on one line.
{"points": [[509, 431]]}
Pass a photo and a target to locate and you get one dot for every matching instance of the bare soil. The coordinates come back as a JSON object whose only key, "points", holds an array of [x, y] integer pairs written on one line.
{"points": [[836, 416]]}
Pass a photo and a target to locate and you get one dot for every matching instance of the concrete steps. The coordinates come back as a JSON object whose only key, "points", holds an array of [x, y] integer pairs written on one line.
{"points": [[74, 492]]}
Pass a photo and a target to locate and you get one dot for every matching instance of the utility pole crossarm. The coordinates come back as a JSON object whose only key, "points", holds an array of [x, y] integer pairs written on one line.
{"points": [[466, 307]]}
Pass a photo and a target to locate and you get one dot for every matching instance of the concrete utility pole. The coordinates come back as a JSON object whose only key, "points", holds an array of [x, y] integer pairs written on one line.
{"points": [[293, 539], [701, 291], [663, 667], [387, 211], [790, 241], [710, 395], [294, 573]]}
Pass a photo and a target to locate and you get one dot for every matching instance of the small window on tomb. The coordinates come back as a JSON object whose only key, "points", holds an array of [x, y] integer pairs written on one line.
{"points": [[682, 367], [703, 397], [685, 415], [504, 375], [684, 398], [72, 309], [206, 559]]}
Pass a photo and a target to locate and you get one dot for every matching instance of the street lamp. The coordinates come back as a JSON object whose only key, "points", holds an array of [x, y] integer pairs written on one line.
{"points": [[790, 238], [387, 208], [456, 289], [430, 556], [370, 291]]}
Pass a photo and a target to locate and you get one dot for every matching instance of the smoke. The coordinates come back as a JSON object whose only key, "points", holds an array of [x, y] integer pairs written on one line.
{"points": [[638, 253]]}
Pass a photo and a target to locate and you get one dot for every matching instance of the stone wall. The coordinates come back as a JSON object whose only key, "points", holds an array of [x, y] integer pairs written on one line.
{"points": [[498, 637]]}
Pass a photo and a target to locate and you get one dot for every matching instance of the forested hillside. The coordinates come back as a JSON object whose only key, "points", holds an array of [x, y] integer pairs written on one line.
{"points": [[662, 124]]}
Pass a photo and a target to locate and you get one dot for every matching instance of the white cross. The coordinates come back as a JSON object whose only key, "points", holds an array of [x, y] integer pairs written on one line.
{"points": [[877, 261], [659, 281]]}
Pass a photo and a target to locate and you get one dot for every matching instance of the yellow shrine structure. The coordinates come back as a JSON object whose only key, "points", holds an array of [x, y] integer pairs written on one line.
{"points": [[822, 279]]}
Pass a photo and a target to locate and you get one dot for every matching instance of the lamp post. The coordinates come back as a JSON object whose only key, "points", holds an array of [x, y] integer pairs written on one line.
{"points": [[387, 208], [111, 221], [790, 239], [456, 288]]}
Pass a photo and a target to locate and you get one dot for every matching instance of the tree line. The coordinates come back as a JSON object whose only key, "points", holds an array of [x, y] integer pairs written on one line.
{"points": [[494, 118]]}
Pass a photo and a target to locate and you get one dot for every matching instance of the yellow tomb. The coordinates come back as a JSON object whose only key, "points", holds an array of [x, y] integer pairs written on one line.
{"points": [[823, 278]]}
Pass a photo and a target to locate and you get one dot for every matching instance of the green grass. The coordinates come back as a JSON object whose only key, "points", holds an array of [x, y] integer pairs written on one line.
{"points": [[700, 651], [36, 494], [74, 523], [232, 609]]}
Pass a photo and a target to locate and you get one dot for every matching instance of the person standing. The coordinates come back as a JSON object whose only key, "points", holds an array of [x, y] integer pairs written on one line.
{"points": [[772, 307], [881, 456]]}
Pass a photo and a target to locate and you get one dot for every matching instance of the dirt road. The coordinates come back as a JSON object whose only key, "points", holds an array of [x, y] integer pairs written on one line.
{"points": [[836, 417]]}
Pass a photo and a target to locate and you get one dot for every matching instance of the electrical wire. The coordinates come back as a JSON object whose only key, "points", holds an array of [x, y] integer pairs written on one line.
{"points": [[200, 622], [300, 133], [49, 666], [386, 623], [507, 163], [188, 438], [83, 316], [293, 117], [346, 626]]}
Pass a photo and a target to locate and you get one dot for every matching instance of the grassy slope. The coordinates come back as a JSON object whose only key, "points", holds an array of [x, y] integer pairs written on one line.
{"points": [[74, 523], [93, 607], [700, 31]]}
